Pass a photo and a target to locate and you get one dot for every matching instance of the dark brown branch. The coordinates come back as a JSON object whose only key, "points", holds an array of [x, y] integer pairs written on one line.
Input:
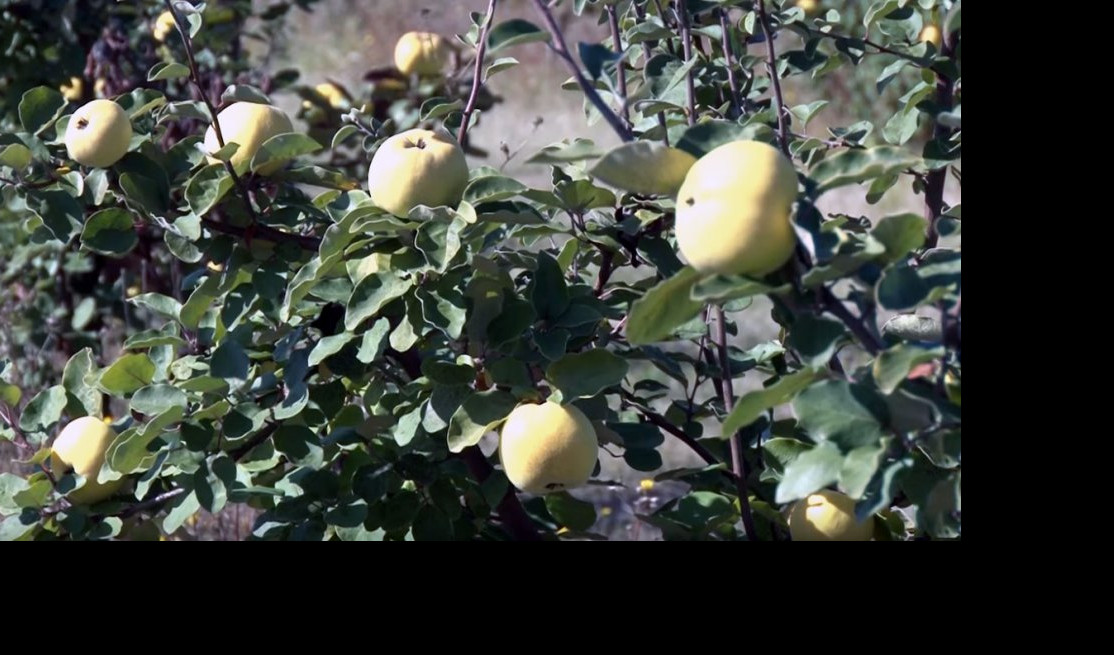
{"points": [[157, 501], [686, 43], [771, 67], [514, 516], [264, 232], [562, 50], [606, 268], [738, 466], [621, 72], [260, 437], [640, 13], [664, 424], [477, 73], [729, 58], [936, 179], [195, 77], [866, 338]]}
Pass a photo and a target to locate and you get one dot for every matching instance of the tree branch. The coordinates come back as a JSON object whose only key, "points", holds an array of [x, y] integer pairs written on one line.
{"points": [[686, 44], [936, 179], [517, 521], [640, 13], [477, 73], [729, 57], [771, 68], [151, 503], [621, 73], [562, 50], [266, 232], [738, 466]]}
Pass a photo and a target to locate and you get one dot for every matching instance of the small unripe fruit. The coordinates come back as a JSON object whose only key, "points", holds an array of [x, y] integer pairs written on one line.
{"points": [[828, 516], [421, 53], [548, 447], [733, 210], [98, 134]]}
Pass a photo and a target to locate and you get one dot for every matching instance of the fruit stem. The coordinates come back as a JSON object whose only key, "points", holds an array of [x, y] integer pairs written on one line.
{"points": [[477, 73]]}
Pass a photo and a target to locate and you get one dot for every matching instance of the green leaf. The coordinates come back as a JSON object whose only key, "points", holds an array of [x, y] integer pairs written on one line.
{"points": [[439, 107], [903, 287], [44, 410], [372, 294], [110, 232], [40, 107], [282, 148], [815, 339], [229, 361], [550, 295], [207, 187], [585, 374], [705, 137], [10, 394], [75, 379], [901, 234], [158, 398], [644, 167], [722, 288], [10, 486], [439, 241], [810, 472], [663, 308], [805, 113], [492, 188], [127, 374], [167, 70], [702, 511], [374, 341], [859, 165], [329, 346], [164, 306], [476, 415], [844, 413], [783, 451], [514, 32], [570, 512], [755, 403], [565, 153], [15, 155], [499, 65], [892, 366]]}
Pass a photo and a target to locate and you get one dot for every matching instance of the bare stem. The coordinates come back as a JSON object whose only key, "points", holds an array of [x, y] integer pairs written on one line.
{"points": [[477, 73], [640, 13]]}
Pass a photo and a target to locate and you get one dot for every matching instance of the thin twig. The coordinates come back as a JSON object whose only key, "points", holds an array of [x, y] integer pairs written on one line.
{"points": [[195, 77], [664, 424], [477, 74], [621, 73], [737, 463], [151, 503], [558, 45], [771, 67], [729, 58], [868, 340], [686, 43], [266, 232], [640, 14], [936, 179]]}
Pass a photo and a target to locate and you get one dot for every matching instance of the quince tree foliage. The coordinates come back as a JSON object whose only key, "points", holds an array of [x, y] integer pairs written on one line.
{"points": [[279, 340]]}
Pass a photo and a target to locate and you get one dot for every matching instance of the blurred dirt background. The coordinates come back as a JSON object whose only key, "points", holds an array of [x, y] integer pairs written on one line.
{"points": [[343, 39]]}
